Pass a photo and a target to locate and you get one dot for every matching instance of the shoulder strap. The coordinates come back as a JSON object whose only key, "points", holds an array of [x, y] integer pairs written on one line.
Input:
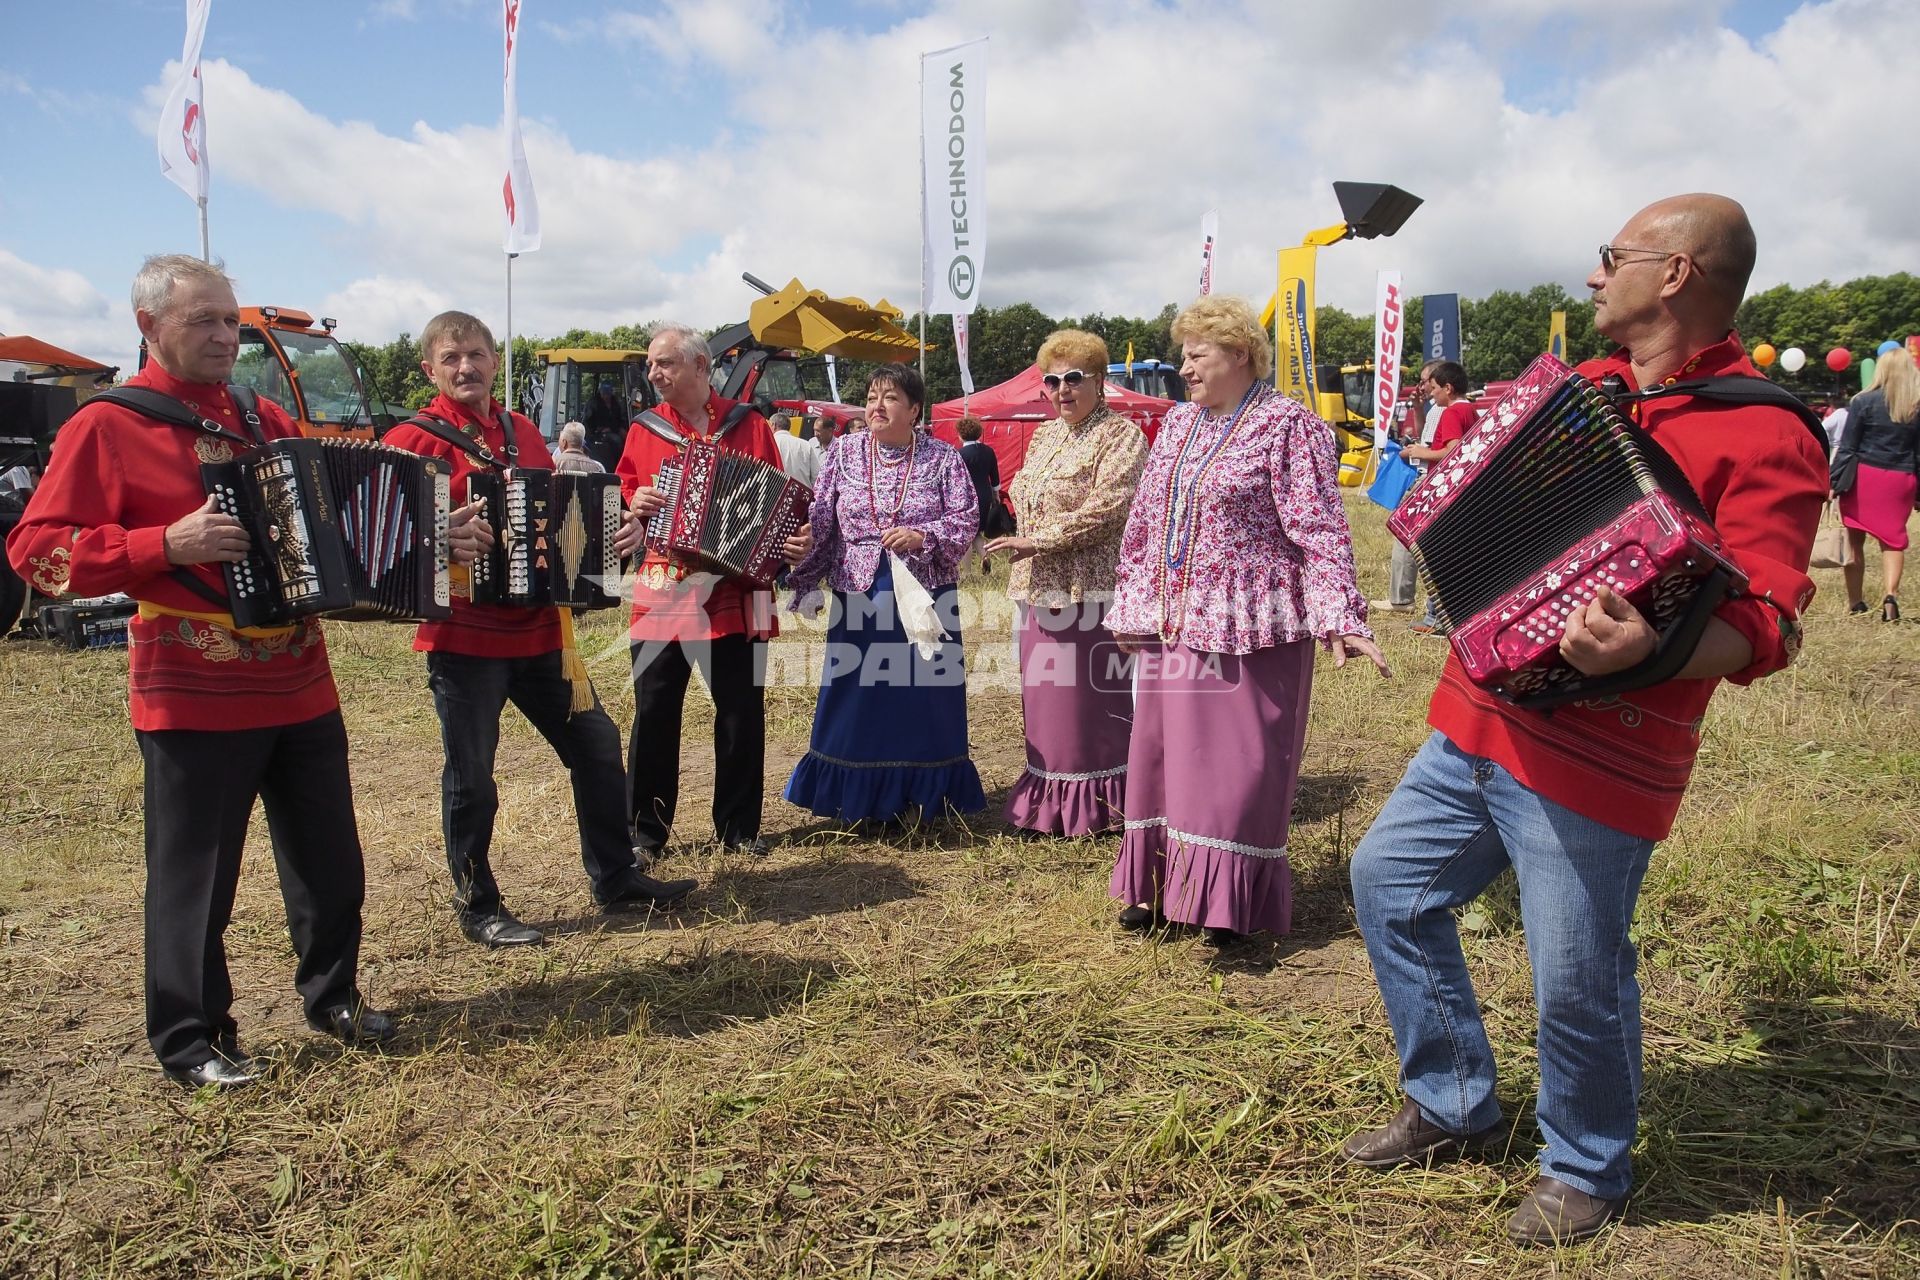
{"points": [[661, 427], [162, 407], [440, 429], [735, 416], [1740, 389]]}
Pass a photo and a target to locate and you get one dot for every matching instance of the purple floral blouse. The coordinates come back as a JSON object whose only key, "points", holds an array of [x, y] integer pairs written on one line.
{"points": [[1267, 556], [853, 506]]}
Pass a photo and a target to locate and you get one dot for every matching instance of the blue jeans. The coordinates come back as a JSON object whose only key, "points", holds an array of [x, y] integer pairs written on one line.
{"points": [[1451, 826]]}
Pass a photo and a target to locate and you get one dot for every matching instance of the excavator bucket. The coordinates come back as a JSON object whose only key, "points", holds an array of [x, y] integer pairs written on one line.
{"points": [[808, 320]]}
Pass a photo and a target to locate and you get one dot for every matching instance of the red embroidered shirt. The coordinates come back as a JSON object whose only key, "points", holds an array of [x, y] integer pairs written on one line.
{"points": [[670, 600], [97, 524], [1625, 760], [482, 630]]}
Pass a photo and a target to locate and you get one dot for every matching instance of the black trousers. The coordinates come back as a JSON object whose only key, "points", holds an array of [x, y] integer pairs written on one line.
{"points": [[470, 693], [200, 789], [734, 668]]}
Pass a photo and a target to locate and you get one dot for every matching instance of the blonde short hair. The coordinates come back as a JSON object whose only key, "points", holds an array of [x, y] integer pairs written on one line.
{"points": [[1080, 349], [1895, 377], [1230, 324], [153, 286]]}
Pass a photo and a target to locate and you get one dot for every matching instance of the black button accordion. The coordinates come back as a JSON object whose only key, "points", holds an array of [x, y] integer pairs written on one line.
{"points": [[727, 512], [554, 534], [346, 528]]}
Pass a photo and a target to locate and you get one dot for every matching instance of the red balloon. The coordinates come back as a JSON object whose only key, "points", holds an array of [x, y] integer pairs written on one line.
{"points": [[1838, 359]]}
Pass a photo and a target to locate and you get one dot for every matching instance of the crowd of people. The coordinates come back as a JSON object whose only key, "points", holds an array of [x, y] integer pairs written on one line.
{"points": [[1171, 601]]}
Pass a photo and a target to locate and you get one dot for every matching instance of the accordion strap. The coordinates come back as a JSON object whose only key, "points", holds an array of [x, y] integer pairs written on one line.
{"points": [[161, 407], [440, 429], [1737, 389], [673, 435]]}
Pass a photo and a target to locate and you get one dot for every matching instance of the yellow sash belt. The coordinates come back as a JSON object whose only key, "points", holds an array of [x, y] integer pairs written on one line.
{"points": [[149, 611]]}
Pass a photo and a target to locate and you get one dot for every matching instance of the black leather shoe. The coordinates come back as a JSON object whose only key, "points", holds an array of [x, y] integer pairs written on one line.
{"points": [[1409, 1138], [500, 930], [1221, 939], [644, 893], [753, 848], [1555, 1213], [1139, 918], [356, 1024], [217, 1072]]}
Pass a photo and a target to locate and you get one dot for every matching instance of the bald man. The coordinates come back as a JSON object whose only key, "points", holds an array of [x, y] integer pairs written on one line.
{"points": [[1574, 800]]}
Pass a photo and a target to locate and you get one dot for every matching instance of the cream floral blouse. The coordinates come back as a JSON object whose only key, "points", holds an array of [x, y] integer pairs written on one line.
{"points": [[1071, 497]]}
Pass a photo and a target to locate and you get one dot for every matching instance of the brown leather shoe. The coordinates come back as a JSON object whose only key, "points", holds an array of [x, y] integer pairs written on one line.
{"points": [[1410, 1138], [1555, 1213]]}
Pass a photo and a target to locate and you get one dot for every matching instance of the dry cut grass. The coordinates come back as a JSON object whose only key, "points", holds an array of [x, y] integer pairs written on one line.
{"points": [[935, 1056]]}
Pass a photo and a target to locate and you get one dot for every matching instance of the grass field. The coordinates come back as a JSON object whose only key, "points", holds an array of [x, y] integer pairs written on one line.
{"points": [[937, 1056]]}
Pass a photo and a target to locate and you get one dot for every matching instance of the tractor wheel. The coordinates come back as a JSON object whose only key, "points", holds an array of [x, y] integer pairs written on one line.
{"points": [[13, 597]]}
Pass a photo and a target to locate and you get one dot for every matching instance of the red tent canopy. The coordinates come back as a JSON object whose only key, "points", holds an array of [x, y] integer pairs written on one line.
{"points": [[1011, 411], [34, 351]]}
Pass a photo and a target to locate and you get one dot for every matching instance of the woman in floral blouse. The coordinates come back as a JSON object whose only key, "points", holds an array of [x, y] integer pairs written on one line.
{"points": [[892, 518], [1071, 499], [1235, 560]]}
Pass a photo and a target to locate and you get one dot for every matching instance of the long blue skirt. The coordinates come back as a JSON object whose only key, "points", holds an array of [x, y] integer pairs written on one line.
{"points": [[890, 729]]}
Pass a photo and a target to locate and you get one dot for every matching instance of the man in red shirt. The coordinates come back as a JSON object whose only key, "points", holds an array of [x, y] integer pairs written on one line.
{"points": [[1445, 381], [223, 714], [683, 618], [1574, 800], [486, 655]]}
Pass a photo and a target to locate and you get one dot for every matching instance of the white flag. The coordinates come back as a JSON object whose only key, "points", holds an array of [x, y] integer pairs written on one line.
{"points": [[953, 122], [960, 353], [1389, 342], [182, 133], [523, 211], [1209, 237]]}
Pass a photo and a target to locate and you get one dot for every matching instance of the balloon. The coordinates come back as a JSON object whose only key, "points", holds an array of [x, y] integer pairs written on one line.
{"points": [[1866, 373], [1793, 359], [1838, 359], [1763, 355], [1888, 345]]}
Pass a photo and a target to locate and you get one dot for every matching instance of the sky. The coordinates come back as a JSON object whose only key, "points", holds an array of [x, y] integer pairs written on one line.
{"points": [[357, 153]]}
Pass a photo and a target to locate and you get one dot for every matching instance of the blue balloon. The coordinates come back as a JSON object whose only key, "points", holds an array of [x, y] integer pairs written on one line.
{"points": [[1888, 345]]}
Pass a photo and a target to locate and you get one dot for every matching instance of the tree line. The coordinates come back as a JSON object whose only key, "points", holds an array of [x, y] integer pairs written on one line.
{"points": [[1501, 333]]}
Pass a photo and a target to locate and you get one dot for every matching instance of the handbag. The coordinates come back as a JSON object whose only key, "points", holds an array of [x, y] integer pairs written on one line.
{"points": [[1830, 548], [1844, 473], [1392, 477], [997, 521]]}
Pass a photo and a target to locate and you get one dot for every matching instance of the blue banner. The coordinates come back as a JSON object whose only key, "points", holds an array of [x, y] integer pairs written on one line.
{"points": [[1441, 314]]}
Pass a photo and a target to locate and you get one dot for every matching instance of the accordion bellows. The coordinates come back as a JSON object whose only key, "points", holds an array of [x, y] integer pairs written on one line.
{"points": [[1553, 492], [727, 512], [346, 528], [554, 534]]}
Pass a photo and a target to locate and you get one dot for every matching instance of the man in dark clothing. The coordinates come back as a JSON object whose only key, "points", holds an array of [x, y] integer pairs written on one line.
{"points": [[606, 422], [983, 465]]}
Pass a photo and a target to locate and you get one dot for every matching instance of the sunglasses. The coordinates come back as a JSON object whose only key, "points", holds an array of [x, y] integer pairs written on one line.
{"points": [[1071, 378], [1610, 258]]}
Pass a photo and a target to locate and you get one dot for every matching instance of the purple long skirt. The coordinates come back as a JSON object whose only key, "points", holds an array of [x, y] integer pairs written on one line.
{"points": [[1210, 781], [1075, 694]]}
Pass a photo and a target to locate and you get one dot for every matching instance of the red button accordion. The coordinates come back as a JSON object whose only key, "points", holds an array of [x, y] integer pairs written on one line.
{"points": [[554, 535], [346, 528], [727, 512], [1553, 492]]}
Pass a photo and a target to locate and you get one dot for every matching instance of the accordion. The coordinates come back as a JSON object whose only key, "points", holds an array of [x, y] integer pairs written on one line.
{"points": [[346, 528], [554, 534], [727, 512], [1553, 493]]}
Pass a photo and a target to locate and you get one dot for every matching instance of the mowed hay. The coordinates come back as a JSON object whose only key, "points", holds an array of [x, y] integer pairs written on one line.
{"points": [[934, 1055]]}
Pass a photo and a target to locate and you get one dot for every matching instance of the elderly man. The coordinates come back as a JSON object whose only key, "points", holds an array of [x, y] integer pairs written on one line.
{"points": [[223, 715], [1574, 800], [487, 655], [684, 618]]}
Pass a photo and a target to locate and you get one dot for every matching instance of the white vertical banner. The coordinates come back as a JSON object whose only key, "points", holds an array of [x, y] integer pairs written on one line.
{"points": [[523, 211], [1389, 341], [182, 132], [953, 123], [960, 353], [1209, 237]]}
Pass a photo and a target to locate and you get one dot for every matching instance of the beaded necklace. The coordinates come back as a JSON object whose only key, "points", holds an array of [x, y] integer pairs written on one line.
{"points": [[1044, 472], [1182, 511], [874, 463]]}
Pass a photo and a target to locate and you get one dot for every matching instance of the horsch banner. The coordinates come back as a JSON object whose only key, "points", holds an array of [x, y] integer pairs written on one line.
{"points": [[953, 121], [1389, 341]]}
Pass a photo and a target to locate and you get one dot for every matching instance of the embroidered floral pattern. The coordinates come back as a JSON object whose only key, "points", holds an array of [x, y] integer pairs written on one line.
{"points": [[1071, 497], [217, 644], [51, 571]]}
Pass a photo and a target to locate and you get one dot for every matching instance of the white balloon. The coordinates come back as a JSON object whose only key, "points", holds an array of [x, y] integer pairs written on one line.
{"points": [[1793, 359]]}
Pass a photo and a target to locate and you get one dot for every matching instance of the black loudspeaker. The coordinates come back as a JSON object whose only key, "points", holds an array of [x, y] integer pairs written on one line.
{"points": [[1374, 208]]}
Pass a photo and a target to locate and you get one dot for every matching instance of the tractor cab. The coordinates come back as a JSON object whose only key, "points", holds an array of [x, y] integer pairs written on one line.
{"points": [[305, 370], [1150, 378], [601, 389]]}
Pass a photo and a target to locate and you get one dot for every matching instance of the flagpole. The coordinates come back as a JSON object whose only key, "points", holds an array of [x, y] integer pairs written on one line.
{"points": [[923, 220], [506, 392], [206, 253]]}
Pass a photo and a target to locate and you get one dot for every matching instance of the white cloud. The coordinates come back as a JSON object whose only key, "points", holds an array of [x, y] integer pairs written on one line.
{"points": [[1108, 139], [64, 308]]}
